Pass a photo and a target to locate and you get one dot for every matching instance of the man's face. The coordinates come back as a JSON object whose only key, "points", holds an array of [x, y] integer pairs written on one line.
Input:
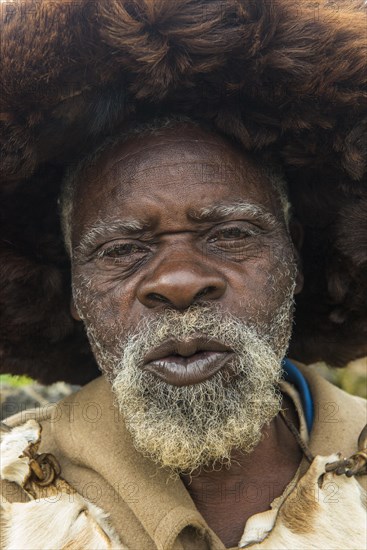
{"points": [[183, 273]]}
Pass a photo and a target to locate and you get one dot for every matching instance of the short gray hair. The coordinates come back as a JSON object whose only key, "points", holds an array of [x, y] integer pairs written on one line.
{"points": [[153, 127]]}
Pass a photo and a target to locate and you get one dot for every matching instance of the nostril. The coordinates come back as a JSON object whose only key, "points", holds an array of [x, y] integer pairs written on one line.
{"points": [[207, 290], [155, 297]]}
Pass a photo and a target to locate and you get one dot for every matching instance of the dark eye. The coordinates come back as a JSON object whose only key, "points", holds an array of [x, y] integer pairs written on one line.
{"points": [[232, 233], [121, 251], [234, 241]]}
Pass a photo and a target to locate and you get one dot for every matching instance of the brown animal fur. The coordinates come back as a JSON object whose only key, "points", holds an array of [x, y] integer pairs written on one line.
{"points": [[280, 76]]}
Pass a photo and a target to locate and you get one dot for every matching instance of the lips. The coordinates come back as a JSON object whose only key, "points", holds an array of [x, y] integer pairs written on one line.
{"points": [[186, 362]]}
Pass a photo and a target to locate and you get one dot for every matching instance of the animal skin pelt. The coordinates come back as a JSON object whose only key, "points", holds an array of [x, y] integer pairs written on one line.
{"points": [[313, 515], [282, 77], [52, 515]]}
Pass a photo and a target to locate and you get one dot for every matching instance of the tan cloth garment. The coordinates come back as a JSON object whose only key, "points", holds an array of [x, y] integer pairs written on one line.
{"points": [[147, 508]]}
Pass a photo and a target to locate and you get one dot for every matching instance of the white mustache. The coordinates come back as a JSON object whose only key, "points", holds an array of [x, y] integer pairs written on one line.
{"points": [[209, 321]]}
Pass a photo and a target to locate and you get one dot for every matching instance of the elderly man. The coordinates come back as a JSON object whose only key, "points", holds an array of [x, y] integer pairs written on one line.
{"points": [[185, 261], [184, 273]]}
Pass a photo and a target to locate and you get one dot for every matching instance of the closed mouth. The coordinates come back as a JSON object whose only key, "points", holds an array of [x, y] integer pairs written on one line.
{"points": [[185, 362]]}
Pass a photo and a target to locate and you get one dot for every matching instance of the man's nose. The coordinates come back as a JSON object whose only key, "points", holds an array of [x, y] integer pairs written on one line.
{"points": [[180, 284]]}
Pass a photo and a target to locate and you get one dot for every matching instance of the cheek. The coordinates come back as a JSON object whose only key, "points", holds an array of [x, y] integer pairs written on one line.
{"points": [[282, 276], [103, 307], [264, 285]]}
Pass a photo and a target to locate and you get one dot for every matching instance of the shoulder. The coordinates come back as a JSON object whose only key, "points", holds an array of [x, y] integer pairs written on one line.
{"points": [[339, 417], [66, 426], [332, 404], [57, 428]]}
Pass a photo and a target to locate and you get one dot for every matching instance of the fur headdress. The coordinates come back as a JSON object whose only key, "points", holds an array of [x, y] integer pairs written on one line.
{"points": [[281, 76]]}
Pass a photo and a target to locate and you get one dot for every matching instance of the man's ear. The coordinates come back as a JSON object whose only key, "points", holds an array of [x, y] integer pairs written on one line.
{"points": [[297, 234], [74, 313]]}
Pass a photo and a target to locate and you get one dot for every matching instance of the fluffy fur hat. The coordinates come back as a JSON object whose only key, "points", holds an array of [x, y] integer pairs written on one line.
{"points": [[281, 76]]}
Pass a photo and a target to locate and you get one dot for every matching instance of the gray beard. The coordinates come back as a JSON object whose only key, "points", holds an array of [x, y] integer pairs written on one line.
{"points": [[184, 428]]}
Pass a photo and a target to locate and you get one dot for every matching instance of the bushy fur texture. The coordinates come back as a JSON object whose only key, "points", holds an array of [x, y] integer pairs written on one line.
{"points": [[281, 76]]}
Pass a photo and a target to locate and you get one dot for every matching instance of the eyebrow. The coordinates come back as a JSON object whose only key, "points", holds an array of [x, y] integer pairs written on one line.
{"points": [[106, 229], [219, 212], [216, 212]]}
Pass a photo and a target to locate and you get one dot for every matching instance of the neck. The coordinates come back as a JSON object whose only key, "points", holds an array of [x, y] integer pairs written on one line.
{"points": [[227, 497]]}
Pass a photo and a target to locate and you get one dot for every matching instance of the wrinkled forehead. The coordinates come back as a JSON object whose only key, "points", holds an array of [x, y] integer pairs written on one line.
{"points": [[198, 154]]}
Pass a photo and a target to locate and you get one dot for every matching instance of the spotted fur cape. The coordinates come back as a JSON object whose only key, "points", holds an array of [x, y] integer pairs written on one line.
{"points": [[284, 77]]}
